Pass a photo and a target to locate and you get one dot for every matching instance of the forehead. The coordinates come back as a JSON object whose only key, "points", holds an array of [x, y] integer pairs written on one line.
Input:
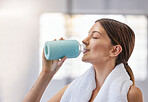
{"points": [[97, 27]]}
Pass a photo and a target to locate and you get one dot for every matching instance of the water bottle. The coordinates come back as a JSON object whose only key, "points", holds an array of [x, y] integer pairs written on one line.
{"points": [[58, 49]]}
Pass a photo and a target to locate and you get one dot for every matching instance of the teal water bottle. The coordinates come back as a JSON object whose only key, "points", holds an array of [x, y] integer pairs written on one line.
{"points": [[58, 49]]}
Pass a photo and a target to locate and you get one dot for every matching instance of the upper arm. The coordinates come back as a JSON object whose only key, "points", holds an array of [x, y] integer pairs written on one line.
{"points": [[134, 95], [57, 97]]}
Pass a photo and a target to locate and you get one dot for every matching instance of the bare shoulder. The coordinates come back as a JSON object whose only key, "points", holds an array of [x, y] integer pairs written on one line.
{"points": [[57, 97], [135, 94]]}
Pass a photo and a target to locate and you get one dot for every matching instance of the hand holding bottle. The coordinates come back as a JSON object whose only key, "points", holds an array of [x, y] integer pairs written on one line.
{"points": [[52, 66], [49, 68]]}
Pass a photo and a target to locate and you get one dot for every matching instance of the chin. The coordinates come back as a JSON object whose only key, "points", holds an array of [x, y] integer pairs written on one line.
{"points": [[85, 60]]}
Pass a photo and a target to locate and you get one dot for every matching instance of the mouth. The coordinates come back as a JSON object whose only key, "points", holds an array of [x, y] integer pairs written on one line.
{"points": [[85, 51]]}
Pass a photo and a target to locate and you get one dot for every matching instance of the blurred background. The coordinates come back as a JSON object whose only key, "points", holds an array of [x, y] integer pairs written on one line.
{"points": [[25, 25]]}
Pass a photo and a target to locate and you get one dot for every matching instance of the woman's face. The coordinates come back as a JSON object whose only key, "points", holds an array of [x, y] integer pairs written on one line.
{"points": [[98, 45]]}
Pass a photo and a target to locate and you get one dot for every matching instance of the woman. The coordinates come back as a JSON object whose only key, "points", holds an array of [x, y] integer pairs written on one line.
{"points": [[109, 45]]}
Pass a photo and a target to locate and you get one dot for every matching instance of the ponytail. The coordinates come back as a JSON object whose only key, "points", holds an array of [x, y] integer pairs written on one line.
{"points": [[130, 73]]}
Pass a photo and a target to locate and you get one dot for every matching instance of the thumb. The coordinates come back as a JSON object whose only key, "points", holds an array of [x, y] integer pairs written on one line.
{"points": [[62, 61]]}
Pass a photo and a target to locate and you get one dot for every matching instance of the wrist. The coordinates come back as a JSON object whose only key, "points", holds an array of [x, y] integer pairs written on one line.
{"points": [[47, 73], [45, 78]]}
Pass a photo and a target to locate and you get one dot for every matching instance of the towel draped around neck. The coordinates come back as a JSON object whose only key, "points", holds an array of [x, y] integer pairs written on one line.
{"points": [[114, 89]]}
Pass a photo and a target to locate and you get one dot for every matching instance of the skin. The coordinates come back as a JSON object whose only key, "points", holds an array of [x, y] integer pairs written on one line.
{"points": [[100, 53]]}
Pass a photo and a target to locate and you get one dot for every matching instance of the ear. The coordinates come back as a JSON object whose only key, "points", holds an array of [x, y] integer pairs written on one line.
{"points": [[116, 50]]}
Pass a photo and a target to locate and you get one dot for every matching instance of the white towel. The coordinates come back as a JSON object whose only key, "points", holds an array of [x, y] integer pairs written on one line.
{"points": [[114, 88]]}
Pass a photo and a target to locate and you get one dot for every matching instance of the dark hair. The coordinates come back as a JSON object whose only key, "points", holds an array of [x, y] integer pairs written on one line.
{"points": [[120, 34]]}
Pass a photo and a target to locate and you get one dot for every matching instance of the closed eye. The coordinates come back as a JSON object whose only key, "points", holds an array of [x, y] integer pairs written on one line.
{"points": [[95, 37], [95, 34]]}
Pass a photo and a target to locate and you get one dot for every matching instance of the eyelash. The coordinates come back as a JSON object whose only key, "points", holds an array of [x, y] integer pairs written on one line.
{"points": [[94, 37]]}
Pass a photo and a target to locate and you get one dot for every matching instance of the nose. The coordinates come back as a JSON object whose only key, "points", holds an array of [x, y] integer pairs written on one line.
{"points": [[86, 41]]}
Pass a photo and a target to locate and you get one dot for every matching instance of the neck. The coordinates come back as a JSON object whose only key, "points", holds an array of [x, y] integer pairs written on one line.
{"points": [[102, 71]]}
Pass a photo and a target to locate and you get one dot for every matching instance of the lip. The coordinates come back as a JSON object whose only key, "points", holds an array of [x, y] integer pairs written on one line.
{"points": [[85, 51]]}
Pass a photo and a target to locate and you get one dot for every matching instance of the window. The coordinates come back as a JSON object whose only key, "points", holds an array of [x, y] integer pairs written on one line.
{"points": [[56, 25]]}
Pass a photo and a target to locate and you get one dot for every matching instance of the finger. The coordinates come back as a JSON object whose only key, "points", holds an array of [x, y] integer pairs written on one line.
{"points": [[57, 60], [62, 60], [61, 38], [43, 56]]}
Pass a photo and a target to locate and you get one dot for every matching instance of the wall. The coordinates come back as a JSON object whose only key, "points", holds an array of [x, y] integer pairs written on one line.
{"points": [[19, 45], [110, 6]]}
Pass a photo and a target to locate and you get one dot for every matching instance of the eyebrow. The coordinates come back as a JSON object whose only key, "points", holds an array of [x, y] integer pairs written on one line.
{"points": [[97, 32]]}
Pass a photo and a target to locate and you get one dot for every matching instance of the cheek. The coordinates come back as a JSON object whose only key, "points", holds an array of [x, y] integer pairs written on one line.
{"points": [[101, 49]]}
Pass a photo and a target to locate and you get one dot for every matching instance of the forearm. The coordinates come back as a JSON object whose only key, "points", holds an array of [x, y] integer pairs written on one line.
{"points": [[38, 88], [50, 67]]}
